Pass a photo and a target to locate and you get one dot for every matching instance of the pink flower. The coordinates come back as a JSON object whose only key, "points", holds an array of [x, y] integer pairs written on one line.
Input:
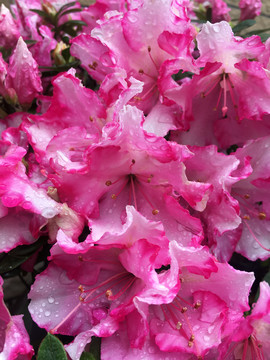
{"points": [[249, 9], [219, 8], [221, 89], [129, 166], [71, 105], [104, 287], [14, 340], [9, 33], [252, 194], [22, 70], [221, 215], [250, 339], [206, 307], [117, 43], [25, 208]]}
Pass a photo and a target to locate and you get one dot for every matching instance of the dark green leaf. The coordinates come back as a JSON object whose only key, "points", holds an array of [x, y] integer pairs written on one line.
{"points": [[60, 68], [181, 75], [243, 25], [51, 348], [70, 11], [95, 347], [257, 32], [264, 37], [30, 42], [64, 7], [198, 21], [65, 39], [66, 54], [41, 13], [17, 256], [72, 23], [87, 356]]}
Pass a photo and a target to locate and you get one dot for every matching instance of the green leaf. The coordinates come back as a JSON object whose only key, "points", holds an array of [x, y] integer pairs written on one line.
{"points": [[70, 11], [60, 68], [64, 7], [17, 256], [264, 37], [181, 75], [51, 348], [87, 356], [66, 55], [257, 32], [72, 23], [243, 25], [30, 42], [41, 13]]}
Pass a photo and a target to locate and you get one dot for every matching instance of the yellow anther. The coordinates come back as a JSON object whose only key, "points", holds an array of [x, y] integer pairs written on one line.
{"points": [[108, 183], [197, 305], [262, 216], [179, 325], [155, 212], [108, 293], [246, 217], [184, 309], [114, 196], [81, 288], [150, 178], [246, 196], [93, 66]]}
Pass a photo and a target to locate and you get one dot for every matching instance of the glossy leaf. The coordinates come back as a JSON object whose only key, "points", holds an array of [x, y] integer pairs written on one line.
{"points": [[87, 356], [243, 25], [17, 256], [51, 348]]}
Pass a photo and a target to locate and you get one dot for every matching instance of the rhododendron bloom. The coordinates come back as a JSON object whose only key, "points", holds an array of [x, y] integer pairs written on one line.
{"points": [[206, 306], [250, 340], [104, 286], [23, 70], [249, 9], [116, 44], [253, 196], [221, 88], [9, 32], [133, 168], [14, 340]]}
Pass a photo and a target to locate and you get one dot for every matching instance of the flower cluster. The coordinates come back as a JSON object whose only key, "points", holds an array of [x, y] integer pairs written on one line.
{"points": [[135, 145]]}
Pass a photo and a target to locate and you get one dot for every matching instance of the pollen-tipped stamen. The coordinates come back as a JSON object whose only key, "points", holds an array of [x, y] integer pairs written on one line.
{"points": [[154, 210]]}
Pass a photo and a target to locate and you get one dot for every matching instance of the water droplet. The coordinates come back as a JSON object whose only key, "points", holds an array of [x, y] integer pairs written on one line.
{"points": [[216, 28], [48, 213], [211, 329], [47, 313], [51, 300], [132, 18]]}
